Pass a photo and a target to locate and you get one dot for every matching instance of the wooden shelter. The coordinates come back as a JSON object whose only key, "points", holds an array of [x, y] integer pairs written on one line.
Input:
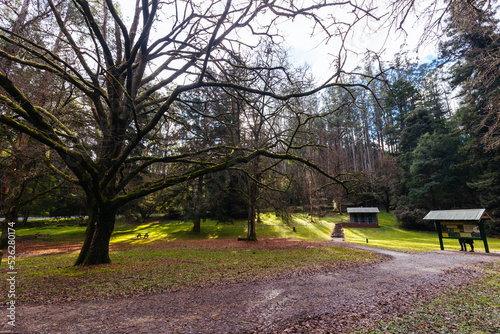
{"points": [[362, 217], [460, 224]]}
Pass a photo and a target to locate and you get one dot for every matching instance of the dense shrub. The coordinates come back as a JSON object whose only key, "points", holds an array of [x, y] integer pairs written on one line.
{"points": [[409, 216]]}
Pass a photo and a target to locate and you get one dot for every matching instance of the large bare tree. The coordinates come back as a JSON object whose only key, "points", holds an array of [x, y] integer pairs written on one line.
{"points": [[122, 80]]}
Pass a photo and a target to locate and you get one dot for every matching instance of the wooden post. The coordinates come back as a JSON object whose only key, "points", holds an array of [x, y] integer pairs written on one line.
{"points": [[440, 234], [483, 236]]}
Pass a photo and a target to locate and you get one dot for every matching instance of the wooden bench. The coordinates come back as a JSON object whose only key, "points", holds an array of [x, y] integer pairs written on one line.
{"points": [[139, 235]]}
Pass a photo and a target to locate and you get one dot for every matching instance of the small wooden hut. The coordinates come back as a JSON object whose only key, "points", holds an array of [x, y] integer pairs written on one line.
{"points": [[362, 217]]}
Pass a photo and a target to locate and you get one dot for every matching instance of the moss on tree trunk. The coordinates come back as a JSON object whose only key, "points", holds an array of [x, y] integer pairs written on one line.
{"points": [[95, 249]]}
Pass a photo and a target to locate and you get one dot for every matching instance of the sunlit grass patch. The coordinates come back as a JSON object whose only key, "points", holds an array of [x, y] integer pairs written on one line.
{"points": [[54, 233], [270, 227], [126, 233], [390, 235]]}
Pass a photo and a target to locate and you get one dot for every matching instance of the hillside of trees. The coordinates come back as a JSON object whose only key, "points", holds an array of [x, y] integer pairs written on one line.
{"points": [[98, 119]]}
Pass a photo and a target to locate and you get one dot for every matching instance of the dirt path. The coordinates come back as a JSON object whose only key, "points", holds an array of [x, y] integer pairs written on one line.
{"points": [[336, 301]]}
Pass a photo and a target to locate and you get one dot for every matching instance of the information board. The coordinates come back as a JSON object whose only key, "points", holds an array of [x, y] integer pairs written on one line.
{"points": [[461, 230]]}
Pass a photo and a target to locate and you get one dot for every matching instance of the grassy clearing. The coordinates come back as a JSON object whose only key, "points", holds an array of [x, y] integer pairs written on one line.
{"points": [[126, 233], [172, 258], [153, 268], [155, 264], [389, 235], [470, 309], [271, 227]]}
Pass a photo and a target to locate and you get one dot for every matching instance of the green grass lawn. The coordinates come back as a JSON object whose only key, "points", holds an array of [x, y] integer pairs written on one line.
{"points": [[389, 235], [271, 227]]}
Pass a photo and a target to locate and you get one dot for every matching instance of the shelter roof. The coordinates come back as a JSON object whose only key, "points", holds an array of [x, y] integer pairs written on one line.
{"points": [[362, 210], [468, 214]]}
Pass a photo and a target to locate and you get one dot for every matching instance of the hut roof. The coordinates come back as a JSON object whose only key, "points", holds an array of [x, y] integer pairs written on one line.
{"points": [[362, 210], [469, 214]]}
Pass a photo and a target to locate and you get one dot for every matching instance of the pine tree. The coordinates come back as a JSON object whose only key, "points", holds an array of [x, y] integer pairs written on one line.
{"points": [[473, 46]]}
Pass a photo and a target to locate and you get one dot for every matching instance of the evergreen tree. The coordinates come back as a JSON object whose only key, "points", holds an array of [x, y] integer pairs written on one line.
{"points": [[473, 47], [435, 180]]}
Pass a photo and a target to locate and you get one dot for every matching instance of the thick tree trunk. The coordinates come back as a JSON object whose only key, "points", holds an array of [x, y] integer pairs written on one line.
{"points": [[25, 219], [95, 249], [197, 224], [252, 234], [10, 217], [89, 232], [252, 199], [4, 240], [198, 206]]}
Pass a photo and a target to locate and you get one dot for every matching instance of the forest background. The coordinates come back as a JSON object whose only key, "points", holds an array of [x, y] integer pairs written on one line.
{"points": [[250, 133]]}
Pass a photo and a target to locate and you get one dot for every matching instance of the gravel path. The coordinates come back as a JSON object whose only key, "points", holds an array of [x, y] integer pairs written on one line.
{"points": [[335, 301]]}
